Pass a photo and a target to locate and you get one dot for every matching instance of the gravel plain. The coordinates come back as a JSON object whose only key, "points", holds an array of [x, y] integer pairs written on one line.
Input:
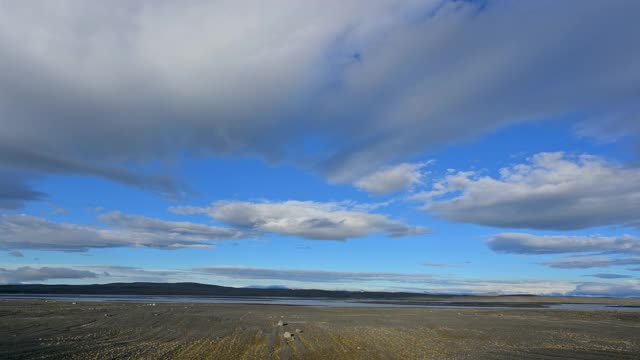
{"points": [[64, 330]]}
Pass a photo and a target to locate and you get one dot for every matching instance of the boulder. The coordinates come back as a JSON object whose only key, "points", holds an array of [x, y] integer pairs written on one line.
{"points": [[288, 335]]}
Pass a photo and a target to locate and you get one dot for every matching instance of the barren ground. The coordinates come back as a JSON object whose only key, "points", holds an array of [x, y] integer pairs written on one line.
{"points": [[62, 330]]}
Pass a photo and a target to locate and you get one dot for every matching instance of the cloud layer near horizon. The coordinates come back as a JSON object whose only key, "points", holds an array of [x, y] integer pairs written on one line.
{"points": [[371, 79], [28, 274], [294, 278]]}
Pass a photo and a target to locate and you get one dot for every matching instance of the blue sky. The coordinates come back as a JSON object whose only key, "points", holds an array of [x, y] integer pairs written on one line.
{"points": [[439, 146]]}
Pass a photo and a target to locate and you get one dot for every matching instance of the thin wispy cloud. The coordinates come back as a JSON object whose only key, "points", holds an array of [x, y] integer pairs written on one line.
{"points": [[523, 243], [588, 262], [178, 229], [36, 233], [610, 276]]}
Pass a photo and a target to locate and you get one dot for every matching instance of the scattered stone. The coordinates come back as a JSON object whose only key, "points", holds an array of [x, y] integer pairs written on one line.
{"points": [[288, 335], [299, 331], [281, 323], [73, 303]]}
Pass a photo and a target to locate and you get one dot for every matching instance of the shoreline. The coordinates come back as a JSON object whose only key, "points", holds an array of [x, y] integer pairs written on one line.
{"points": [[594, 304]]}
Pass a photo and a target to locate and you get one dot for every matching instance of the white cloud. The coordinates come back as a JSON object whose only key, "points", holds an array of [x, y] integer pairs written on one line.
{"points": [[92, 88], [521, 243], [321, 221], [308, 219], [392, 179], [551, 191], [31, 232], [176, 229]]}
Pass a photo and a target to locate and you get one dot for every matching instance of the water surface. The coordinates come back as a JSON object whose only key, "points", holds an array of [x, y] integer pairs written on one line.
{"points": [[396, 303]]}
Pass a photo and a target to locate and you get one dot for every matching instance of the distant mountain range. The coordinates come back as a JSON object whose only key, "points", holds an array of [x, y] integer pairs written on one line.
{"points": [[145, 288]]}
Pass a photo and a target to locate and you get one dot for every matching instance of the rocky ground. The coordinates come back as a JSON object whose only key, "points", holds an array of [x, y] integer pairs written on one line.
{"points": [[63, 330]]}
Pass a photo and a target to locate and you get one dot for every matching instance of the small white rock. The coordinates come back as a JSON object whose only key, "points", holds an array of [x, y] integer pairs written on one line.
{"points": [[288, 335]]}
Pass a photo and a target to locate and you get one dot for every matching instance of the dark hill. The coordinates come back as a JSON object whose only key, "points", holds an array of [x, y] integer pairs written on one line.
{"points": [[144, 288]]}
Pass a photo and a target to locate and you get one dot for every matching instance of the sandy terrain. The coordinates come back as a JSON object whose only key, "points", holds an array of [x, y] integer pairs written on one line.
{"points": [[62, 330]]}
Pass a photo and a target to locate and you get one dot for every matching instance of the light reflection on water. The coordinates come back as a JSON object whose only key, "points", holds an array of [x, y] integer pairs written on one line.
{"points": [[396, 303]]}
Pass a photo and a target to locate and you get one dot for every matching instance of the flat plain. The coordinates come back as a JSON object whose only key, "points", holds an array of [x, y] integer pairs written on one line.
{"points": [[66, 330]]}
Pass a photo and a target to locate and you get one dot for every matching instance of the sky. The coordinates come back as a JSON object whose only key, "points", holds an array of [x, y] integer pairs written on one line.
{"points": [[476, 147]]}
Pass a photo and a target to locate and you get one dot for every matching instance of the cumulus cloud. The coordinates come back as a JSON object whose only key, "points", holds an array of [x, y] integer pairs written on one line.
{"points": [[522, 243], [586, 262], [28, 274], [551, 191], [98, 89], [307, 219], [31, 232], [392, 179]]}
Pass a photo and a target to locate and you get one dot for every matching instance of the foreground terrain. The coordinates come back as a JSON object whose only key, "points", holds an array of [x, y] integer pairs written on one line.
{"points": [[64, 330]]}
